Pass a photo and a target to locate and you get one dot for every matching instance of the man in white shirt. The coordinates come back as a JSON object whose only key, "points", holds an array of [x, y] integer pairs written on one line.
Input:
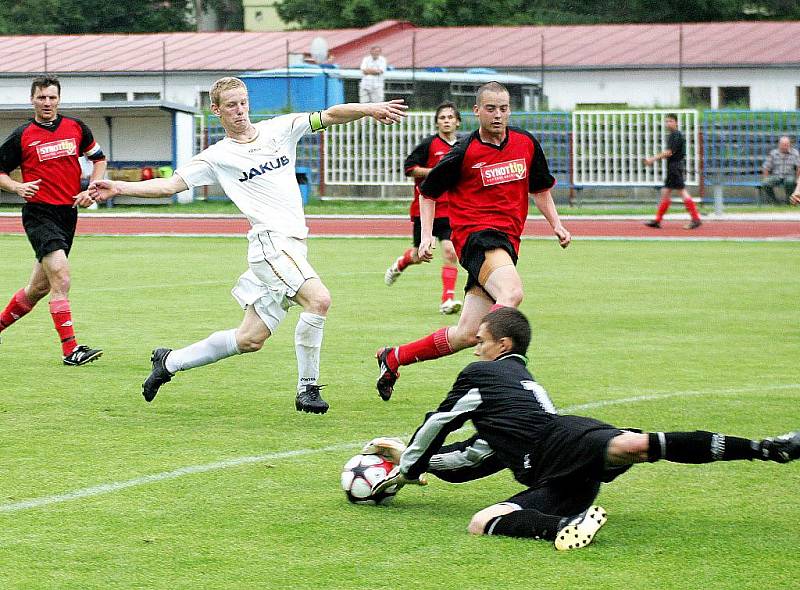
{"points": [[255, 165], [373, 66]]}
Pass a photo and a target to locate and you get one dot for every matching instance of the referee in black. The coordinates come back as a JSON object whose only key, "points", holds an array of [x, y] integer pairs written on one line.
{"points": [[562, 460]]}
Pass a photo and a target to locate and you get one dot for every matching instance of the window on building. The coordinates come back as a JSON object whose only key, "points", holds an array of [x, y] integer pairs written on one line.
{"points": [[113, 96], [204, 100], [464, 89], [394, 87], [146, 96], [696, 96], [734, 97]]}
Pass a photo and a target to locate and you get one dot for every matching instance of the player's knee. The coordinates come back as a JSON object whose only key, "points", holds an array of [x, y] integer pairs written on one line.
{"points": [[512, 296], [250, 341]]}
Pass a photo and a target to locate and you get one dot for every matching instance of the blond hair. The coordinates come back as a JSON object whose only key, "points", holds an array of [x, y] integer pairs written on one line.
{"points": [[223, 84]]}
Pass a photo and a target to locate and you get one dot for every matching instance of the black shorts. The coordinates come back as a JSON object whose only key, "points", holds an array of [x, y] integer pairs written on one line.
{"points": [[49, 227], [473, 254], [573, 448], [441, 229], [675, 176]]}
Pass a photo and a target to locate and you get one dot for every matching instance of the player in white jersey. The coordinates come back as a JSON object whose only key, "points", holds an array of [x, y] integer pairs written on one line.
{"points": [[255, 165]]}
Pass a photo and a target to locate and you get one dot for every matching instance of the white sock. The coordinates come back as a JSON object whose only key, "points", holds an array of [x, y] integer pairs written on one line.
{"points": [[307, 344], [218, 346]]}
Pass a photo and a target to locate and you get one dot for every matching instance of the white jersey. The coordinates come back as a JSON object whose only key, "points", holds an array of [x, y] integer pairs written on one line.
{"points": [[378, 63], [258, 176]]}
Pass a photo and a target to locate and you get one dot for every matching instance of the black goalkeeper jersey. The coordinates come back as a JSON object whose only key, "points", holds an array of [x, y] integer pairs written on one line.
{"points": [[509, 410]]}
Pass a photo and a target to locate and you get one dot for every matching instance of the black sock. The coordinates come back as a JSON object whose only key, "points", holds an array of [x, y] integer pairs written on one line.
{"points": [[699, 447], [524, 523]]}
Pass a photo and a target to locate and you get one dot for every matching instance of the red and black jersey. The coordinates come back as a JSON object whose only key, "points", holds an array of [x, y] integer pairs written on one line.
{"points": [[50, 152], [426, 155], [488, 185]]}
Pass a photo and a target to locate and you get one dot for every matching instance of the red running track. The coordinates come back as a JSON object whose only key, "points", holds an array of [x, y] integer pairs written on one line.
{"points": [[400, 226]]}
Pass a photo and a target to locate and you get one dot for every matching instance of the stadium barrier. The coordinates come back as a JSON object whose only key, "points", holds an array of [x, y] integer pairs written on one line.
{"points": [[585, 149]]}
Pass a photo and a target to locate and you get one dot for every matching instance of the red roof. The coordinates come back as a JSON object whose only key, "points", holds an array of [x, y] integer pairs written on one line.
{"points": [[507, 48]]}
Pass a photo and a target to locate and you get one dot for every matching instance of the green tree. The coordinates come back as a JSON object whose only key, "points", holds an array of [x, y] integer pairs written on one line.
{"points": [[29, 17], [361, 13]]}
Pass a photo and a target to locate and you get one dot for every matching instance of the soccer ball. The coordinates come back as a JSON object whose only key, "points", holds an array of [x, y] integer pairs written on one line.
{"points": [[361, 473]]}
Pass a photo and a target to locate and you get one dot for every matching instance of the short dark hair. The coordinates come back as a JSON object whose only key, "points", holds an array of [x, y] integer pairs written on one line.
{"points": [[672, 116], [490, 87], [446, 105], [44, 82], [509, 322]]}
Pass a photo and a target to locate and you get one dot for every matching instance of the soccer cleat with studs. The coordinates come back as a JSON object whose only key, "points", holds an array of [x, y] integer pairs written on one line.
{"points": [[450, 307], [693, 224], [158, 376], [387, 376], [654, 224], [580, 530], [309, 400], [781, 449], [391, 275], [82, 355]]}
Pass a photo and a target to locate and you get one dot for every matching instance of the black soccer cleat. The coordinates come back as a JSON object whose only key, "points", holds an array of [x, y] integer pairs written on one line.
{"points": [[693, 224], [82, 355], [580, 530], [653, 223], [158, 376], [387, 376], [781, 449], [309, 400]]}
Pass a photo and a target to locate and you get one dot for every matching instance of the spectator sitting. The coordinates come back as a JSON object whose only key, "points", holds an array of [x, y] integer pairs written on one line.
{"points": [[782, 167]]}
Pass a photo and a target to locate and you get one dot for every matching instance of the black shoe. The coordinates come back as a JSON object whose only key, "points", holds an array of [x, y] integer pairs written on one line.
{"points": [[579, 531], [653, 223], [309, 400], [158, 376], [82, 355], [387, 377], [693, 224], [781, 449]]}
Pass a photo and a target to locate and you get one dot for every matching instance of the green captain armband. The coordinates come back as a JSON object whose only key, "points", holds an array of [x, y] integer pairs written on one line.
{"points": [[315, 119]]}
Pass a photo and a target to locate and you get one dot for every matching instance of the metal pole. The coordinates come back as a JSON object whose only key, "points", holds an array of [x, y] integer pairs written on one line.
{"points": [[680, 65], [541, 73], [414, 62], [288, 80], [163, 70]]}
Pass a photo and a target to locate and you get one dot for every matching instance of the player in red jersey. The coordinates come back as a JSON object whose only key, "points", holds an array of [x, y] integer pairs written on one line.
{"points": [[488, 178], [47, 149], [417, 165]]}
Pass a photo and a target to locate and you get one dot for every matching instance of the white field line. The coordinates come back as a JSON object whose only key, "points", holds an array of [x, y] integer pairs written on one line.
{"points": [[108, 488]]}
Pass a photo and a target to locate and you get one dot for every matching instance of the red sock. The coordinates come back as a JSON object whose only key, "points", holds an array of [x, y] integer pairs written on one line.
{"points": [[16, 308], [432, 346], [691, 208], [662, 208], [406, 259], [62, 320], [449, 276], [497, 306]]}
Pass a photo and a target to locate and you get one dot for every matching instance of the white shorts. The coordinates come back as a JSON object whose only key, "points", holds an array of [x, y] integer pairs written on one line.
{"points": [[277, 269]]}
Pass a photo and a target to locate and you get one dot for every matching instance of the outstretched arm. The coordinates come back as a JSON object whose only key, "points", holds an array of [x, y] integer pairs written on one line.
{"points": [[388, 112], [102, 190]]}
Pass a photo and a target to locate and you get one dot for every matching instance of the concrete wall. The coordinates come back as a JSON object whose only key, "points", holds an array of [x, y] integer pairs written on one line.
{"points": [[770, 88]]}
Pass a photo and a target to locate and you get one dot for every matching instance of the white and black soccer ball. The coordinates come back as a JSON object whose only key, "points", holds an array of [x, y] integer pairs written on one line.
{"points": [[361, 473]]}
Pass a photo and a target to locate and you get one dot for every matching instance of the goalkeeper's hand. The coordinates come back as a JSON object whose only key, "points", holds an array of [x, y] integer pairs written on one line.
{"points": [[397, 480], [388, 448]]}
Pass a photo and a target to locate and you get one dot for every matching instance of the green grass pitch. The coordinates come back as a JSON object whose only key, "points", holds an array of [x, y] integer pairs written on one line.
{"points": [[703, 334]]}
